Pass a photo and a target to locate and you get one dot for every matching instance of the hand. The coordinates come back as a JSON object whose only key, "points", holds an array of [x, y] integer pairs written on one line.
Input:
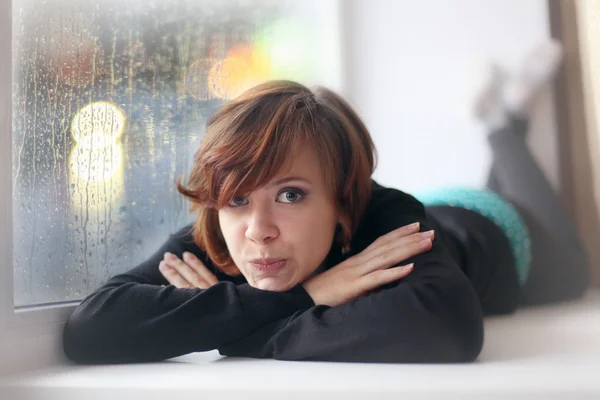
{"points": [[370, 268], [190, 273]]}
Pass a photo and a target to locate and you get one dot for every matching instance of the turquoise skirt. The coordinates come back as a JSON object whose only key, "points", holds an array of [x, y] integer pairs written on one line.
{"points": [[492, 206]]}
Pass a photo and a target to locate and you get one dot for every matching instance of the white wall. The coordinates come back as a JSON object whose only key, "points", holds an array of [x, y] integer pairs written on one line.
{"points": [[407, 73]]}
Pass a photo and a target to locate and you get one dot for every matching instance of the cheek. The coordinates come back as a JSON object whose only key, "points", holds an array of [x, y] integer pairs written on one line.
{"points": [[230, 230], [313, 234], [314, 228]]}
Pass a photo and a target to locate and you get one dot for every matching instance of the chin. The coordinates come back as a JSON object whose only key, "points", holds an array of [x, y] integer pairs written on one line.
{"points": [[273, 284]]}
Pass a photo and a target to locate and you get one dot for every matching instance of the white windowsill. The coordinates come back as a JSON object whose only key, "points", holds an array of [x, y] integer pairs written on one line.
{"points": [[546, 352]]}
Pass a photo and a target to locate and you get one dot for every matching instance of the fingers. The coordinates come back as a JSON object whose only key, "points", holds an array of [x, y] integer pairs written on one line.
{"points": [[420, 239], [393, 237], [390, 254], [384, 276], [173, 276], [403, 242], [200, 268], [186, 275], [189, 274], [398, 233]]}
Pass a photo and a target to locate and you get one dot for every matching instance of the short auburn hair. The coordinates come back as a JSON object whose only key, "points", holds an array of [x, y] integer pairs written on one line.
{"points": [[250, 138]]}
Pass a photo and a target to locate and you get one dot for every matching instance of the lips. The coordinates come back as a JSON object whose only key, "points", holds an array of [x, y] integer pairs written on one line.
{"points": [[268, 264]]}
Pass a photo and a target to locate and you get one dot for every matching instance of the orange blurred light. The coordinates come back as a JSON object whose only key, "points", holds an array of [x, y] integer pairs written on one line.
{"points": [[259, 61], [228, 78], [244, 67]]}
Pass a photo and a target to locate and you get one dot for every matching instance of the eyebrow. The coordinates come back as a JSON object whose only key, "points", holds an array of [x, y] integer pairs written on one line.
{"points": [[288, 179]]}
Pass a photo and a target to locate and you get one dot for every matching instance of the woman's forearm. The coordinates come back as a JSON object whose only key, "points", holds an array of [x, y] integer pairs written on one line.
{"points": [[138, 317], [134, 322], [435, 320]]}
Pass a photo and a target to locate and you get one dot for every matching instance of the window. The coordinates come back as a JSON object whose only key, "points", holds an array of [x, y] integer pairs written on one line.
{"points": [[110, 100], [102, 105]]}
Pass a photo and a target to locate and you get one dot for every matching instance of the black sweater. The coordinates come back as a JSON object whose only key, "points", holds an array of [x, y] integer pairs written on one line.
{"points": [[432, 315]]}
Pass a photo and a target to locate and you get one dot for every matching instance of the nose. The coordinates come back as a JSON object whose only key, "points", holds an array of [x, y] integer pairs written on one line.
{"points": [[261, 227]]}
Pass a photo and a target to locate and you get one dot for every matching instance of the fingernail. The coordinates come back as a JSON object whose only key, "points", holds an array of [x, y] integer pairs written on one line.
{"points": [[428, 233], [409, 266], [164, 266], [426, 242], [414, 225]]}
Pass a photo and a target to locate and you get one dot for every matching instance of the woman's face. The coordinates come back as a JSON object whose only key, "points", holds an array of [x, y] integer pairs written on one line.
{"points": [[281, 233]]}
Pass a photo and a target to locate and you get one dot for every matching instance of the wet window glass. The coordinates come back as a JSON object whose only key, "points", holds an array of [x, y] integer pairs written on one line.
{"points": [[110, 101]]}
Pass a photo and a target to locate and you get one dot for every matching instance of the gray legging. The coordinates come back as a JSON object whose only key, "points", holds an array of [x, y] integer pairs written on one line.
{"points": [[559, 267]]}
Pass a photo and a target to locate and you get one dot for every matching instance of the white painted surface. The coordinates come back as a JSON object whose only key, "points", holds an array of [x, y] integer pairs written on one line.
{"points": [[408, 74], [550, 352]]}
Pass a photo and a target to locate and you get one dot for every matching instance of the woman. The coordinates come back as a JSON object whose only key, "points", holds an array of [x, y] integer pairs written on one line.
{"points": [[297, 254]]}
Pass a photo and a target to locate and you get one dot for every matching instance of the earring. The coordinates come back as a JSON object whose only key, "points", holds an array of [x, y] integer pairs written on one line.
{"points": [[342, 240], [346, 249]]}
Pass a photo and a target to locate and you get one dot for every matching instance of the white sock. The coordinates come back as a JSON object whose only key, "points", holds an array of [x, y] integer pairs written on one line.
{"points": [[538, 68], [488, 105], [517, 95]]}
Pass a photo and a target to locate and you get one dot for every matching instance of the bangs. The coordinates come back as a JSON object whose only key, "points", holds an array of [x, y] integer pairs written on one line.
{"points": [[250, 150]]}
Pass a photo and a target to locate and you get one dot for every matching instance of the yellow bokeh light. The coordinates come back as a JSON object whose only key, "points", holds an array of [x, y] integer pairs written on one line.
{"points": [[95, 164], [96, 182], [98, 125]]}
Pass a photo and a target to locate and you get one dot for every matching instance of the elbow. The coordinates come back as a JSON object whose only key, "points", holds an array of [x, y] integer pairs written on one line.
{"points": [[462, 325], [88, 342], [455, 332], [88, 338], [466, 339], [95, 333], [77, 344], [73, 347]]}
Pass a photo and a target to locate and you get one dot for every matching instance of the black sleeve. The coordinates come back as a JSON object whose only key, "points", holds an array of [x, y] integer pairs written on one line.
{"points": [[432, 315], [132, 318]]}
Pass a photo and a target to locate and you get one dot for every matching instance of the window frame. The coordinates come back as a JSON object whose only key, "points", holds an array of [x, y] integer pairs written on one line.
{"points": [[28, 335]]}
